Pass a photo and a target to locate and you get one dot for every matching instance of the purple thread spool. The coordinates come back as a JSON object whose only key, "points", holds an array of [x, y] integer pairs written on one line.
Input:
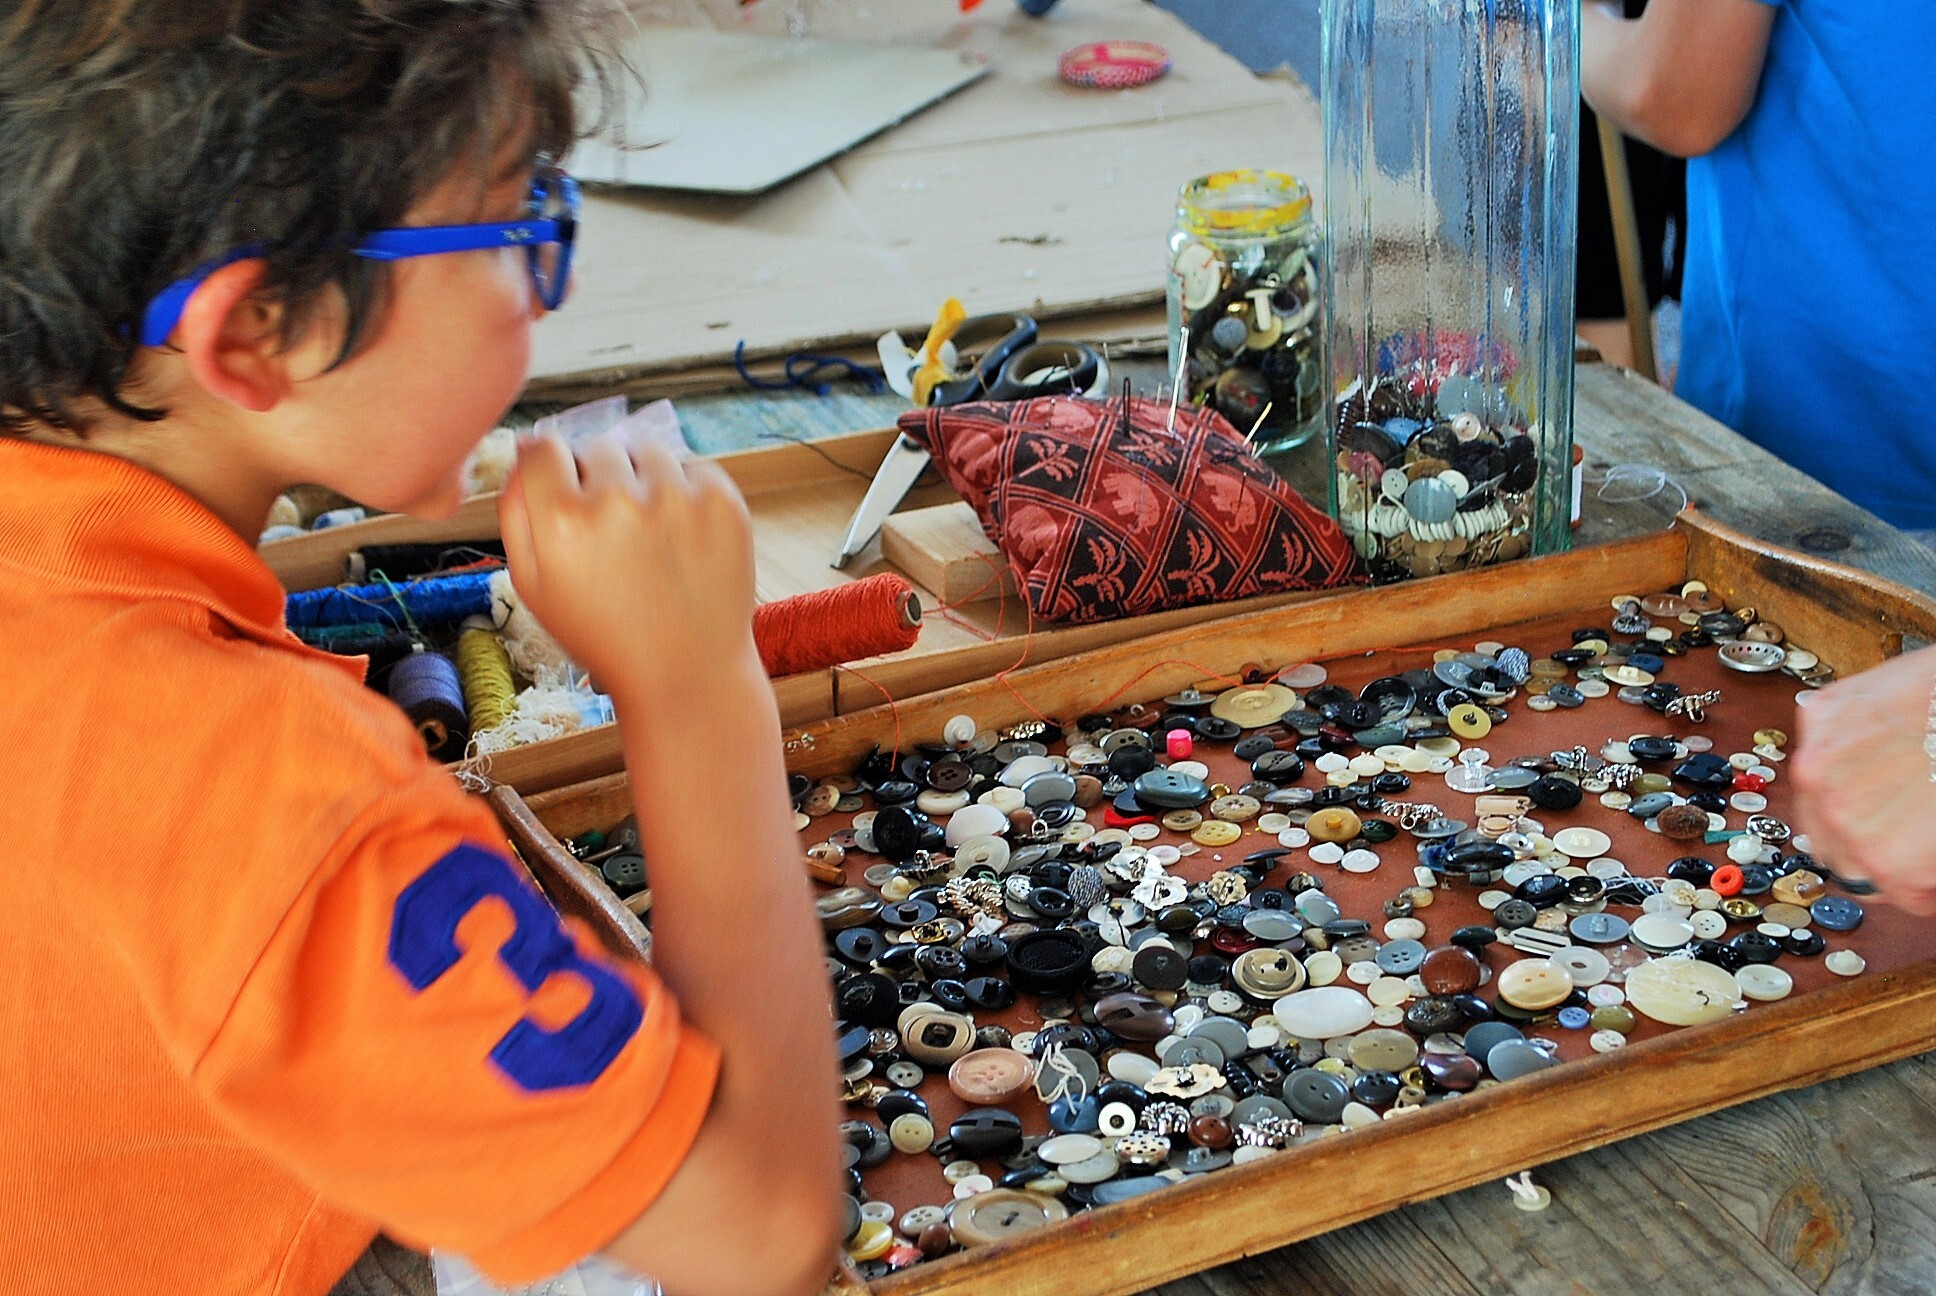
{"points": [[426, 686]]}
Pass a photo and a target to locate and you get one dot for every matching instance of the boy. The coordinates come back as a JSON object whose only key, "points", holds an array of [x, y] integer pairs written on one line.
{"points": [[274, 983]]}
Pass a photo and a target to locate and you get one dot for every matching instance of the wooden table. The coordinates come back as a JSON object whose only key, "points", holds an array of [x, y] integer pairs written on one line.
{"points": [[1828, 1189]]}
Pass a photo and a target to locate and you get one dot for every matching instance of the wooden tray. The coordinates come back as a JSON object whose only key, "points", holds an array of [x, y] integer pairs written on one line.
{"points": [[1851, 620], [800, 497]]}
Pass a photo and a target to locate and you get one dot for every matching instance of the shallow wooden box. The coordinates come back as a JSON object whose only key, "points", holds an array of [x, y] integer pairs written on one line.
{"points": [[1851, 620], [800, 497]]}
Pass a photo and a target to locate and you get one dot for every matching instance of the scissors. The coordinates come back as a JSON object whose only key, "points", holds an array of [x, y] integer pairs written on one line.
{"points": [[1017, 367]]}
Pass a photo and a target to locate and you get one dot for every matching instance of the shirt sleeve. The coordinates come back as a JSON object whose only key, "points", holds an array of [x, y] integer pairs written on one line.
{"points": [[429, 1044]]}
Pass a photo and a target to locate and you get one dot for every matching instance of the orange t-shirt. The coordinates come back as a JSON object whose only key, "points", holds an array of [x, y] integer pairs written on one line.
{"points": [[272, 981]]}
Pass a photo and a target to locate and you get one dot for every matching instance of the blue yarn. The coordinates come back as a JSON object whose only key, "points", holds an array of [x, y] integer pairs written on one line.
{"points": [[440, 601]]}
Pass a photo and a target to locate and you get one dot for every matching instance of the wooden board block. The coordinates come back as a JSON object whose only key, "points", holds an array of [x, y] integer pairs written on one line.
{"points": [[944, 550], [1662, 1078]]}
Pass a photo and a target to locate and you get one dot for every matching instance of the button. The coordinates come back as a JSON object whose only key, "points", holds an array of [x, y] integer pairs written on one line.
{"points": [[1682, 991], [1513, 1059], [1001, 1213], [1598, 928], [1215, 833], [985, 1131], [1764, 982], [990, 1076], [1167, 789], [1334, 824], [1586, 967], [1660, 932], [1582, 843], [1252, 708], [1323, 1013], [1846, 963], [1837, 914], [1316, 1096], [1451, 969], [1534, 984], [911, 1132], [1235, 808]]}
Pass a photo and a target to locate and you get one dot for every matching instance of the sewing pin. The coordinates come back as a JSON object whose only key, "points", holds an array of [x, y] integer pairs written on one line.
{"points": [[1182, 363], [1260, 422]]}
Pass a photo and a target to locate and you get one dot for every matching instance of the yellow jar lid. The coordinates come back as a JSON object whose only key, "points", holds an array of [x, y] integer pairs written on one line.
{"points": [[1248, 201]]}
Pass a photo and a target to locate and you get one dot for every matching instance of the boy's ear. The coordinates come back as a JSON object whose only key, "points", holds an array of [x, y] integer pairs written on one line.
{"points": [[231, 338]]}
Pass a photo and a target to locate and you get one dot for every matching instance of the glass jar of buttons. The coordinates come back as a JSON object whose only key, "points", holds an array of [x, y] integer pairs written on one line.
{"points": [[1245, 300]]}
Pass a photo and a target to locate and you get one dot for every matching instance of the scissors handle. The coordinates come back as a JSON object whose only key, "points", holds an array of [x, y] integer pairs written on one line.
{"points": [[1048, 369]]}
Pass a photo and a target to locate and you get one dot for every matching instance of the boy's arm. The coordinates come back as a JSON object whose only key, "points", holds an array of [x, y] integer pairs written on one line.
{"points": [[643, 570], [1681, 76]]}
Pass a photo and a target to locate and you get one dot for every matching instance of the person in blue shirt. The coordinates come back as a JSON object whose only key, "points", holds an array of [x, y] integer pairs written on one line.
{"points": [[1809, 322], [1809, 298]]}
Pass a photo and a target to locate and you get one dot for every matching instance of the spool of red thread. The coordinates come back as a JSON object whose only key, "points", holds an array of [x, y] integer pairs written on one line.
{"points": [[824, 628]]}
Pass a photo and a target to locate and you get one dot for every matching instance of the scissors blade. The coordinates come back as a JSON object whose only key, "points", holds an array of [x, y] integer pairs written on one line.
{"points": [[892, 481]]}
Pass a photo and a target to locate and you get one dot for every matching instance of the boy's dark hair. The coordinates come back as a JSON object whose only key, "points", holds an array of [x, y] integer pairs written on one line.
{"points": [[140, 139]]}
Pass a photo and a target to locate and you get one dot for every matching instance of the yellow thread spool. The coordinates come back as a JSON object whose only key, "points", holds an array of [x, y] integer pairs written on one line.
{"points": [[484, 669]]}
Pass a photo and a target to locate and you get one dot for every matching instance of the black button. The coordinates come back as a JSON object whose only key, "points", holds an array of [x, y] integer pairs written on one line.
{"points": [[1161, 968], [1554, 793], [868, 999], [991, 994], [1543, 890], [860, 944], [897, 832]]}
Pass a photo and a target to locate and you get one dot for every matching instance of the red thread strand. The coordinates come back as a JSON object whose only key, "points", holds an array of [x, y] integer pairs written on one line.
{"points": [[824, 628]]}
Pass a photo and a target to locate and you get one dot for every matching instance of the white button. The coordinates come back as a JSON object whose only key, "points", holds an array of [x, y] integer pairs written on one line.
{"points": [[1764, 981], [1709, 925], [1845, 962]]}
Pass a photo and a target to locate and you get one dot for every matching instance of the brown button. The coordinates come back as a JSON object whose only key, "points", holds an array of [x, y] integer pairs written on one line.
{"points": [[1134, 1016], [1212, 1132], [1800, 887], [1334, 824], [1450, 970], [1683, 822]]}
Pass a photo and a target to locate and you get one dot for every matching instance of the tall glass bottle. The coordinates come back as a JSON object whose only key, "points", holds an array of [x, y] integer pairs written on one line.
{"points": [[1450, 182]]}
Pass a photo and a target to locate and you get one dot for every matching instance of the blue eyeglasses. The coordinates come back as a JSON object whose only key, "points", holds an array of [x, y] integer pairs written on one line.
{"points": [[546, 236]]}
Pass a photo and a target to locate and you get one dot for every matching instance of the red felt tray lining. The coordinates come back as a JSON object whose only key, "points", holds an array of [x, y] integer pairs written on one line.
{"points": [[1887, 938]]}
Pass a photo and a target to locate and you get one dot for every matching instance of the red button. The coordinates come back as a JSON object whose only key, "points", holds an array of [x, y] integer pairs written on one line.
{"points": [[1727, 880], [1746, 782]]}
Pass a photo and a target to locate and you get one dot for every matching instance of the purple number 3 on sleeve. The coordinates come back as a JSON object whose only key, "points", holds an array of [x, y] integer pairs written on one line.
{"points": [[423, 946]]}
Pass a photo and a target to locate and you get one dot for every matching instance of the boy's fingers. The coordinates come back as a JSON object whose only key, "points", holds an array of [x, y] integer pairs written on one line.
{"points": [[548, 471], [514, 527], [604, 463]]}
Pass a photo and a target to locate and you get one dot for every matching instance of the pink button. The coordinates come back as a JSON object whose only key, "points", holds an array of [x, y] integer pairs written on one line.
{"points": [[1177, 742]]}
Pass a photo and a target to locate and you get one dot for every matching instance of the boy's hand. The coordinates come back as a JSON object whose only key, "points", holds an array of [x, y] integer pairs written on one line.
{"points": [[1862, 779], [640, 566]]}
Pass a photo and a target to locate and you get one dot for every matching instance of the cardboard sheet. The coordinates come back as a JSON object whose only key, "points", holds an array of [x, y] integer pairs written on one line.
{"points": [[1017, 193], [719, 111]]}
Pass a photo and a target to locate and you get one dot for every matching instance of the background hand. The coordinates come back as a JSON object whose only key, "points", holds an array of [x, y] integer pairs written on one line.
{"points": [[1865, 798]]}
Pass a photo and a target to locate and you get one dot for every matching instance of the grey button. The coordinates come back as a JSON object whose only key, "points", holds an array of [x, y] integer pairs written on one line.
{"points": [[1486, 1036], [1316, 1096], [1401, 957], [1598, 928], [1511, 1059]]}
